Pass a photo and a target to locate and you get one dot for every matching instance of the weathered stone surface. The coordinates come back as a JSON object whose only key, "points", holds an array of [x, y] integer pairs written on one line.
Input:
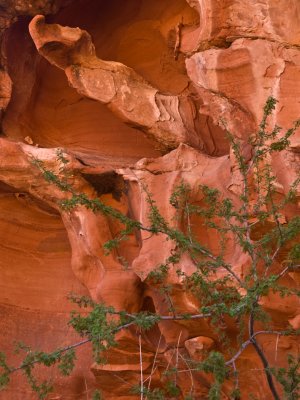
{"points": [[136, 93], [19, 7], [167, 119], [5, 90], [35, 279], [222, 22]]}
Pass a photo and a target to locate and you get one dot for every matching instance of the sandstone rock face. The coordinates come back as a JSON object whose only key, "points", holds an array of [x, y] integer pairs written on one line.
{"points": [[136, 94]]}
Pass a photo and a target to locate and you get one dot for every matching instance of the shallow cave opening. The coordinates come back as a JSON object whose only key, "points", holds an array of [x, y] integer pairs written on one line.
{"points": [[45, 110], [137, 33], [107, 182]]}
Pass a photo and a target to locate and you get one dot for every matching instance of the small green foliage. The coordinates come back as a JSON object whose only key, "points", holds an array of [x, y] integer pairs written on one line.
{"points": [[61, 157], [223, 294], [67, 360], [188, 397], [4, 375], [253, 397], [215, 364], [172, 389], [270, 106], [44, 388], [157, 221], [63, 357], [289, 378], [235, 394], [155, 394], [146, 320], [81, 301], [294, 253], [97, 395], [180, 196], [97, 328], [4, 380], [159, 274]]}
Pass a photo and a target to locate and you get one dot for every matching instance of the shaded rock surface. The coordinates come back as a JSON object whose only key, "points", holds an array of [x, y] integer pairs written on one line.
{"points": [[136, 93]]}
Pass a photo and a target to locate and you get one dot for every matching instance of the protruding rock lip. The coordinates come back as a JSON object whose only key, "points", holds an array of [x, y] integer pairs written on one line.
{"points": [[127, 94], [61, 46]]}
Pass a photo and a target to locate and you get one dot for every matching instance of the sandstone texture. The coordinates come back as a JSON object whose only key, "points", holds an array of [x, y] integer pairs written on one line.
{"points": [[134, 93]]}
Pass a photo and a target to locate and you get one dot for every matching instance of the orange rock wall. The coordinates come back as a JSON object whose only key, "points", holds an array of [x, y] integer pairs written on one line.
{"points": [[135, 93]]}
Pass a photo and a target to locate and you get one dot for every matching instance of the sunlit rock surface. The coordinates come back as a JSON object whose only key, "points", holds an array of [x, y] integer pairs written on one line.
{"points": [[136, 93]]}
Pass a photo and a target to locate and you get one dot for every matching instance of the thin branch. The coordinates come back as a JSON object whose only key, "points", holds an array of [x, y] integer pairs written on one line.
{"points": [[172, 308], [239, 352], [249, 341], [276, 347], [183, 317], [153, 364], [86, 389], [172, 317], [70, 347], [236, 376], [141, 366], [223, 264], [124, 326], [177, 352], [263, 358], [282, 273], [190, 371]]}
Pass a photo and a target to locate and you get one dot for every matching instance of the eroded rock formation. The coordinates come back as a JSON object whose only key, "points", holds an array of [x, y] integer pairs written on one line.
{"points": [[135, 93]]}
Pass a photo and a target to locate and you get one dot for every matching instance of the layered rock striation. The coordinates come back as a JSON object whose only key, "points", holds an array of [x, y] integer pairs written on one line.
{"points": [[135, 94]]}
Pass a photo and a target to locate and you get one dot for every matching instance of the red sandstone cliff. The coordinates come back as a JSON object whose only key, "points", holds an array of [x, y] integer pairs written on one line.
{"points": [[134, 91]]}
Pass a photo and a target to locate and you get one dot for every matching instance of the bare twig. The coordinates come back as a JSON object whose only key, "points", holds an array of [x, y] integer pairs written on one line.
{"points": [[263, 358], [153, 364], [276, 347], [141, 366], [172, 317], [236, 375], [190, 372], [172, 308], [249, 341], [177, 356], [283, 272], [86, 389]]}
